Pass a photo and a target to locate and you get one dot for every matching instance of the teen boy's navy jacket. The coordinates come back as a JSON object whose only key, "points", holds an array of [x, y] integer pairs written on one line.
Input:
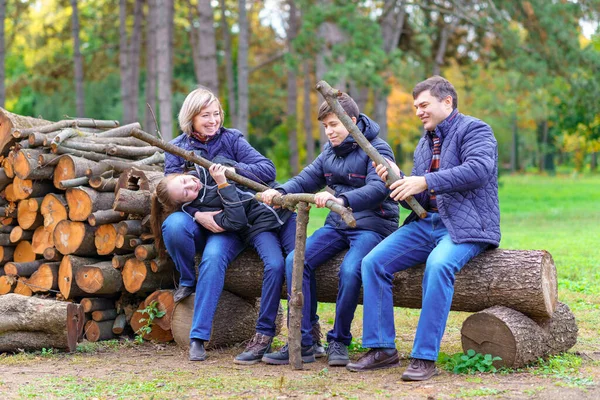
{"points": [[347, 170], [228, 143]]}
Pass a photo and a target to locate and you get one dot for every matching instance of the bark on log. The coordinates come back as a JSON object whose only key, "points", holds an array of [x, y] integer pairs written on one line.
{"points": [[51, 254], [6, 254], [91, 304], [26, 165], [54, 210], [104, 315], [66, 275], [524, 280], [45, 278], [96, 331], [130, 227], [138, 277], [24, 189], [99, 278], [517, 339], [132, 201], [234, 321], [71, 183], [145, 252], [48, 127], [102, 217], [83, 201], [22, 268], [103, 184], [10, 122], [159, 265], [69, 167], [119, 324], [18, 234], [77, 238], [118, 261], [112, 149], [32, 323]]}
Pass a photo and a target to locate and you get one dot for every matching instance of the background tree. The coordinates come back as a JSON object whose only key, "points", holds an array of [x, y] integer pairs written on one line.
{"points": [[77, 61]]}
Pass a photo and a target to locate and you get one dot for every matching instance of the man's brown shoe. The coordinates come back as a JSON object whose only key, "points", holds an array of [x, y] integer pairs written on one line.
{"points": [[420, 370], [375, 359]]}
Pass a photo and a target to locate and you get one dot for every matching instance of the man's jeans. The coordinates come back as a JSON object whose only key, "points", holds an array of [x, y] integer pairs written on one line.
{"points": [[324, 244], [184, 237], [428, 241], [271, 247]]}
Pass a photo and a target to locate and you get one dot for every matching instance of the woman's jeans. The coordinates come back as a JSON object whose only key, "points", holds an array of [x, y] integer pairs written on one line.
{"points": [[183, 238], [321, 246], [423, 241]]}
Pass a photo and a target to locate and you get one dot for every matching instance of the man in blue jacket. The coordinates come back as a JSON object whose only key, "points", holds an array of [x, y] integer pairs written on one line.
{"points": [[455, 178], [346, 169]]}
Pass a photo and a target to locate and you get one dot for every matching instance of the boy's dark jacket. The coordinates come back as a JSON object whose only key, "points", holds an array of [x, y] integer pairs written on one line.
{"points": [[348, 171], [241, 212]]}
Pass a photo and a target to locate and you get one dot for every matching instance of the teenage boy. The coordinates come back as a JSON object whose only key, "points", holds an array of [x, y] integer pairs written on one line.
{"points": [[353, 182]]}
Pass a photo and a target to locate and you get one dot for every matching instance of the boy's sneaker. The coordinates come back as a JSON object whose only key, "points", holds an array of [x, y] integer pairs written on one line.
{"points": [[256, 348], [282, 357], [337, 354], [318, 348]]}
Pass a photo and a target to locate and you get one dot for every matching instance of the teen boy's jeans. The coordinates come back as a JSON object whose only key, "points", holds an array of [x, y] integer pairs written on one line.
{"points": [[321, 246], [184, 237], [271, 247], [426, 240]]}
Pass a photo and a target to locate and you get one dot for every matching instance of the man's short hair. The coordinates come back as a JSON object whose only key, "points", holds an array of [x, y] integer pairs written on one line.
{"points": [[347, 103], [439, 88]]}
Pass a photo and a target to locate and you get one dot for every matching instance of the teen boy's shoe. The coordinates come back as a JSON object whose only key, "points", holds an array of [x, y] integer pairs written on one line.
{"points": [[182, 292], [337, 354], [375, 359], [420, 370], [256, 348], [282, 357], [318, 348], [197, 352]]}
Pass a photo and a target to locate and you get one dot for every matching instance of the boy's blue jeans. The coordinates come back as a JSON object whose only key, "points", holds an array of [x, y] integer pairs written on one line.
{"points": [[183, 238], [272, 246], [321, 246], [423, 241]]}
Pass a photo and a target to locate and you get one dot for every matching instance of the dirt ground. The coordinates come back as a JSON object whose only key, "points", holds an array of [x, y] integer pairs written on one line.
{"points": [[163, 372]]}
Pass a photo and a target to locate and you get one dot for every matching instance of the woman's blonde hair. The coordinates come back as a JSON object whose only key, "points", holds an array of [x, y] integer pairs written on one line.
{"points": [[193, 104], [162, 205]]}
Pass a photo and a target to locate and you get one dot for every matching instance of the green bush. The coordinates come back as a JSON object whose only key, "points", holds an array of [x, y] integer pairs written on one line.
{"points": [[470, 363]]}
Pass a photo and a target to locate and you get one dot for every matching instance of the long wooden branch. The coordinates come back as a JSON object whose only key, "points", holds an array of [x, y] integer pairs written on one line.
{"points": [[82, 123], [331, 96], [288, 200]]}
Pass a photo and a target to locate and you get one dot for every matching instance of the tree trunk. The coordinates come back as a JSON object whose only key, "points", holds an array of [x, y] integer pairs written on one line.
{"points": [[206, 69], [134, 59], [151, 68], [518, 340], [519, 279], [124, 64], [234, 321], [514, 153], [2, 52], [231, 99], [78, 62], [163, 40], [243, 73], [32, 323], [442, 45], [292, 90], [67, 272], [307, 114], [10, 121]]}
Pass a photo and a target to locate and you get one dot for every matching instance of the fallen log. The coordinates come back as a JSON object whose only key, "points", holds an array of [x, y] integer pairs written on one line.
{"points": [[95, 331], [26, 165], [517, 339], [28, 213], [10, 122], [102, 217], [139, 319], [25, 188], [91, 304], [130, 227], [45, 278], [104, 315], [22, 268], [32, 323], [105, 238], [103, 184], [120, 324], [18, 234], [164, 302], [41, 240], [118, 261], [69, 167], [524, 280], [132, 201], [83, 201], [234, 321], [145, 252], [136, 179], [54, 210]]}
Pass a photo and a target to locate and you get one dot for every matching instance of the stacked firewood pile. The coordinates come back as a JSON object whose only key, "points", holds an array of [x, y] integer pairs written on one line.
{"points": [[74, 215]]}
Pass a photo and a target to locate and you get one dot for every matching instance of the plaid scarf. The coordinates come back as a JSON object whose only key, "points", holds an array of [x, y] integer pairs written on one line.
{"points": [[434, 167]]}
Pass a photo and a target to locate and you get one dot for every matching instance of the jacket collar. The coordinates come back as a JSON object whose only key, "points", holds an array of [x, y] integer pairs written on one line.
{"points": [[444, 127]]}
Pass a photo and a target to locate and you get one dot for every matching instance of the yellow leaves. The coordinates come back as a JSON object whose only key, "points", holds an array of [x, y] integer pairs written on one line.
{"points": [[403, 125]]}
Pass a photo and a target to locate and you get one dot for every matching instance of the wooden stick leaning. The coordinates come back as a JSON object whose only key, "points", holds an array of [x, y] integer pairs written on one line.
{"points": [[330, 96], [288, 200], [297, 298]]}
